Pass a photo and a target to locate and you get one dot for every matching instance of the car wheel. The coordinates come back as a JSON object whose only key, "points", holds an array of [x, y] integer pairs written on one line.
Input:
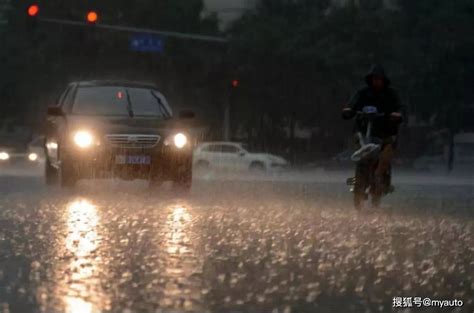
{"points": [[50, 174], [360, 186], [257, 166], [184, 180], [67, 174]]}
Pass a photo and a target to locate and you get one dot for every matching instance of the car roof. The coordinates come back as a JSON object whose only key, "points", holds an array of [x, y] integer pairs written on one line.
{"points": [[95, 83]]}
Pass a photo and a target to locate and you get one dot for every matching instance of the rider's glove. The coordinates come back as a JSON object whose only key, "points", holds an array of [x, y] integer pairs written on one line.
{"points": [[396, 117], [347, 113]]}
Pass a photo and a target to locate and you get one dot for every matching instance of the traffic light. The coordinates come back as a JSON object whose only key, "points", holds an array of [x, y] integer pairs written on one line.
{"points": [[33, 10], [31, 20], [92, 17], [235, 83]]}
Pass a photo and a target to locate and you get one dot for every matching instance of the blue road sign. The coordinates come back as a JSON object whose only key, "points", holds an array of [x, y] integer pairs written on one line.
{"points": [[146, 43]]}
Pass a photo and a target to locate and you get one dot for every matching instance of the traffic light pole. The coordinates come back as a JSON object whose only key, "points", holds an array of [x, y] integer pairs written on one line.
{"points": [[227, 118], [135, 30], [231, 89]]}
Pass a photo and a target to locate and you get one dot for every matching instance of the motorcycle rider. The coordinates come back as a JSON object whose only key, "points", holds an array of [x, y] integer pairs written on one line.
{"points": [[379, 94]]}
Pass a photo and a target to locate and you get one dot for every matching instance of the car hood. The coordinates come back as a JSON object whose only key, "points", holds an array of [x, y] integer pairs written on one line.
{"points": [[121, 125]]}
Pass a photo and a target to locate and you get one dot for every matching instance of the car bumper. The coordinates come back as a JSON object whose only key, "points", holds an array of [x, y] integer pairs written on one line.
{"points": [[278, 166], [128, 163], [20, 159]]}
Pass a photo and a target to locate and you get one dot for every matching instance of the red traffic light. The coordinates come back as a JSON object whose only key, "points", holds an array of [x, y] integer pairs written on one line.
{"points": [[92, 17], [33, 10], [235, 83]]}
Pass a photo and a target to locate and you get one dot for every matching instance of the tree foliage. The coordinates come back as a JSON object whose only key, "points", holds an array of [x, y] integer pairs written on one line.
{"points": [[309, 56], [297, 60]]}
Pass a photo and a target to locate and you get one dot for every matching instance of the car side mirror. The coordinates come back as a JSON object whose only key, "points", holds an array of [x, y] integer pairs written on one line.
{"points": [[55, 111], [187, 114], [242, 153]]}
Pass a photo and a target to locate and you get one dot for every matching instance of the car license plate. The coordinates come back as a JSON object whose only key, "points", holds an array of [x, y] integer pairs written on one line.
{"points": [[132, 159]]}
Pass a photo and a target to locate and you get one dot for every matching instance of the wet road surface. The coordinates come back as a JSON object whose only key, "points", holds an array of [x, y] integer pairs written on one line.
{"points": [[230, 246]]}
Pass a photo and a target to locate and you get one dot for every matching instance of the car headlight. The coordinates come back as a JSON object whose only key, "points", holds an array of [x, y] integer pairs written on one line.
{"points": [[32, 157], [180, 140], [4, 156], [52, 145], [83, 139]]}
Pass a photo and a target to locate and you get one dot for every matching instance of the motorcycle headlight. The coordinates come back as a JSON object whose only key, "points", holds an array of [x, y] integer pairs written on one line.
{"points": [[180, 140], [83, 139]]}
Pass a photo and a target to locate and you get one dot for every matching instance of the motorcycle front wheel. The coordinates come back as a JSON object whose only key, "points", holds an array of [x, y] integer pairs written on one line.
{"points": [[376, 199], [360, 185]]}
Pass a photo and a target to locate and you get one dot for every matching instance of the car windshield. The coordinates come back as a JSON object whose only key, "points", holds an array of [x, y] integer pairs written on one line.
{"points": [[269, 190], [112, 100]]}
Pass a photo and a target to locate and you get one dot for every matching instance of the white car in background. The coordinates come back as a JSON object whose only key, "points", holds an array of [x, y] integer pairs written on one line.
{"points": [[36, 149], [233, 156], [17, 152]]}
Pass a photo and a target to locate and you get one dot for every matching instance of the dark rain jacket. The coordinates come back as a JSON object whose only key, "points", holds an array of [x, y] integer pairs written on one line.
{"points": [[386, 101]]}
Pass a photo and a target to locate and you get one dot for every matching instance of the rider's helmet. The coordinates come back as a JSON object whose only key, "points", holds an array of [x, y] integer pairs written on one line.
{"points": [[377, 70]]}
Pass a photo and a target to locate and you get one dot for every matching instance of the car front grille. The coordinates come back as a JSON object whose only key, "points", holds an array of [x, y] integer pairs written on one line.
{"points": [[132, 141]]}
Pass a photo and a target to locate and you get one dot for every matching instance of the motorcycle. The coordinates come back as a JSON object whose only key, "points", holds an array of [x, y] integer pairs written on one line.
{"points": [[364, 183]]}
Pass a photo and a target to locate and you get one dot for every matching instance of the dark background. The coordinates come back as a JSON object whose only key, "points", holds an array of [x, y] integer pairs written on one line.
{"points": [[297, 63]]}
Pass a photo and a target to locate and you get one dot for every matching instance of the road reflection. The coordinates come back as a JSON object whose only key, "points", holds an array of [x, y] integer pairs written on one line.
{"points": [[177, 238], [182, 291], [81, 285]]}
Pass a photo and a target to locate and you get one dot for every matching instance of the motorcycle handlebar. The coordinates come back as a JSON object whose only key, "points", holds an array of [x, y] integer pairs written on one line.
{"points": [[359, 113]]}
